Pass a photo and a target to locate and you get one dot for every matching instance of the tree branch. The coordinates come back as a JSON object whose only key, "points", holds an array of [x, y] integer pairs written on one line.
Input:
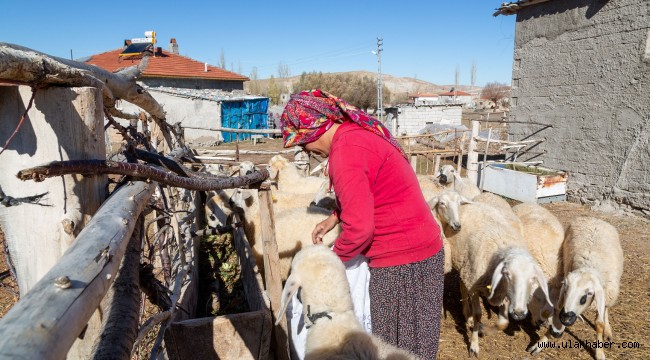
{"points": [[96, 167]]}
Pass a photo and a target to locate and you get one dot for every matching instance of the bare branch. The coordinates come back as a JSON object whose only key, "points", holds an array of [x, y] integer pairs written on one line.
{"points": [[95, 167]]}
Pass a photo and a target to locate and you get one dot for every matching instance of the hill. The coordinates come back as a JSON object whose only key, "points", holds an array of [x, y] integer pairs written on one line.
{"points": [[398, 86]]}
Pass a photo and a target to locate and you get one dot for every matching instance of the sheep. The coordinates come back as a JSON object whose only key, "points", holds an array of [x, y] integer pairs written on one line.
{"points": [[289, 179], [491, 258], [217, 210], [503, 206], [449, 175], [324, 197], [593, 266], [333, 331], [290, 226], [544, 235]]}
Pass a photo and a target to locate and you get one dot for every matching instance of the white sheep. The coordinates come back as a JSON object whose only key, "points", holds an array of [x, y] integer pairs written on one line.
{"points": [[289, 178], [491, 258], [464, 186], [503, 206], [322, 198], [333, 331], [593, 266], [291, 225], [544, 235]]}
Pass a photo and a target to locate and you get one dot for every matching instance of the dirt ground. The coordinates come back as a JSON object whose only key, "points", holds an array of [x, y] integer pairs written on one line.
{"points": [[628, 318]]}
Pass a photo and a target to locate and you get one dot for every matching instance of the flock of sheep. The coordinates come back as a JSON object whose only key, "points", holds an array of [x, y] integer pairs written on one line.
{"points": [[521, 259]]}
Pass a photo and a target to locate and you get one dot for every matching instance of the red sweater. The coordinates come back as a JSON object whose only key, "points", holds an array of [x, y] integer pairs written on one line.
{"points": [[382, 211]]}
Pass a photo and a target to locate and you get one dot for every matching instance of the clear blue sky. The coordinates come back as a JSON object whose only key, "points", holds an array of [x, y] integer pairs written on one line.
{"points": [[428, 40]]}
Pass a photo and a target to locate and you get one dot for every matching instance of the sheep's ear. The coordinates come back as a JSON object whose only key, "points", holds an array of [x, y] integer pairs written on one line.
{"points": [[234, 170], [273, 171], [290, 288], [496, 278], [599, 297], [433, 202], [246, 194], [541, 279], [464, 200]]}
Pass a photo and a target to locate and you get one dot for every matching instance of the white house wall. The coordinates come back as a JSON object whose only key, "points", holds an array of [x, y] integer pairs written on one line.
{"points": [[411, 120], [189, 112]]}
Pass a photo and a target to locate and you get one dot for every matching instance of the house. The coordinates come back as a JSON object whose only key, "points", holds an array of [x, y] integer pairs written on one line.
{"points": [[193, 93], [455, 97], [423, 99], [170, 69], [582, 67], [409, 119]]}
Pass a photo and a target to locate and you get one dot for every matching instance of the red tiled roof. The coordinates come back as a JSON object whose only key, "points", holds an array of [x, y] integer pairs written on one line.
{"points": [[164, 64], [455, 93]]}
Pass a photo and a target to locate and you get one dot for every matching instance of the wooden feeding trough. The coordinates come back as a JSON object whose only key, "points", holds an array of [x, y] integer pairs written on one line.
{"points": [[235, 336], [525, 183]]}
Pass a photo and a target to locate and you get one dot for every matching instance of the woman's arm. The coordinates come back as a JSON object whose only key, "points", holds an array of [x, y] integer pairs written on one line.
{"points": [[323, 228]]}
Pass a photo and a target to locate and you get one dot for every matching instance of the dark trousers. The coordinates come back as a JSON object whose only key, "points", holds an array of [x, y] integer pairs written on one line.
{"points": [[406, 304]]}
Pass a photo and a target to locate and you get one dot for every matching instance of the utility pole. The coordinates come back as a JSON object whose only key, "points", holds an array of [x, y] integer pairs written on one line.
{"points": [[380, 104]]}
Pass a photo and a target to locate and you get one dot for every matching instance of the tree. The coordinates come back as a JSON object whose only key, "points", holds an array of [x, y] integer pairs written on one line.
{"points": [[472, 75], [222, 60], [496, 92], [283, 71], [253, 85], [273, 91], [360, 91]]}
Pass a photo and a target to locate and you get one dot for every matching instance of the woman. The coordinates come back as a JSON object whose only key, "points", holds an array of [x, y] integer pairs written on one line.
{"points": [[383, 216]]}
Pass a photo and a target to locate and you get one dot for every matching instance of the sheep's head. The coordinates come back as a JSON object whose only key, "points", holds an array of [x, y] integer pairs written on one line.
{"points": [[324, 197], [241, 199], [520, 274], [246, 167], [446, 174], [276, 164], [447, 206], [579, 289], [320, 274]]}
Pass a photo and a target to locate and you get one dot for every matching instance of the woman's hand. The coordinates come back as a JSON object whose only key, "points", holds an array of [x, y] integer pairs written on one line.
{"points": [[323, 228]]}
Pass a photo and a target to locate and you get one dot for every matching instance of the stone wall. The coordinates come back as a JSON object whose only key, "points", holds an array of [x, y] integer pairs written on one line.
{"points": [[583, 66]]}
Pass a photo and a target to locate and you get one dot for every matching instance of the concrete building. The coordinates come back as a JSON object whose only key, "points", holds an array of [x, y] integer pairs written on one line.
{"points": [[410, 119], [583, 67], [423, 99], [455, 97]]}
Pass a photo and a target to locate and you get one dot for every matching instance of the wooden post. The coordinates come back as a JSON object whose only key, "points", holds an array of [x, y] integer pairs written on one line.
{"points": [[272, 270], [414, 163], [472, 154], [49, 318], [460, 153], [62, 124], [487, 147], [436, 165]]}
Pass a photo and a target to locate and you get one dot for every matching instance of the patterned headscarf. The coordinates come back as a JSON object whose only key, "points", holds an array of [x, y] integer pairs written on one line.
{"points": [[309, 114]]}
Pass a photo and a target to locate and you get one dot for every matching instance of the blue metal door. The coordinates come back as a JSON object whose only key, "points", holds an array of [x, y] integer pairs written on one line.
{"points": [[243, 114]]}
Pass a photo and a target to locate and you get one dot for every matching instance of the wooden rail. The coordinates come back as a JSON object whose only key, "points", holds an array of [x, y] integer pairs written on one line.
{"points": [[48, 319], [240, 131]]}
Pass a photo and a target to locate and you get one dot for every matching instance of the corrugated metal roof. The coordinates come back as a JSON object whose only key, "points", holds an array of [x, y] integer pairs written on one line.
{"points": [[205, 94], [511, 8], [455, 93], [164, 64]]}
